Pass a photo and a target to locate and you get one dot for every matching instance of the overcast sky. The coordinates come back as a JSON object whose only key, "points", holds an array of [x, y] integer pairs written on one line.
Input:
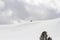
{"points": [[15, 10]]}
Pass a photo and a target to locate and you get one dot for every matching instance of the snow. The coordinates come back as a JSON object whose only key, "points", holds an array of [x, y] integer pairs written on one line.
{"points": [[30, 30]]}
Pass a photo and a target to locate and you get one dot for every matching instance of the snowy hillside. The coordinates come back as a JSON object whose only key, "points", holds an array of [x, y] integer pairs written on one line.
{"points": [[30, 30]]}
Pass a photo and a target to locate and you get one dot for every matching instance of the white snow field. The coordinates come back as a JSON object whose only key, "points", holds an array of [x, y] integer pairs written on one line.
{"points": [[30, 30]]}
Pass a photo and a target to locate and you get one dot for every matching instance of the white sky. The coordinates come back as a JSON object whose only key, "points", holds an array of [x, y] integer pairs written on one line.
{"points": [[11, 10]]}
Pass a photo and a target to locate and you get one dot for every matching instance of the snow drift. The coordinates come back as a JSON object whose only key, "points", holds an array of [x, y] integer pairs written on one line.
{"points": [[30, 30]]}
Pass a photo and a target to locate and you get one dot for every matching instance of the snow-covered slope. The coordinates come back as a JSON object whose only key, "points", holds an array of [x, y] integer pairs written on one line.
{"points": [[30, 30]]}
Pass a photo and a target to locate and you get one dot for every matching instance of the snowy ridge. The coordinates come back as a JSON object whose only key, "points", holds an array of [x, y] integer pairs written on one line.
{"points": [[30, 30]]}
